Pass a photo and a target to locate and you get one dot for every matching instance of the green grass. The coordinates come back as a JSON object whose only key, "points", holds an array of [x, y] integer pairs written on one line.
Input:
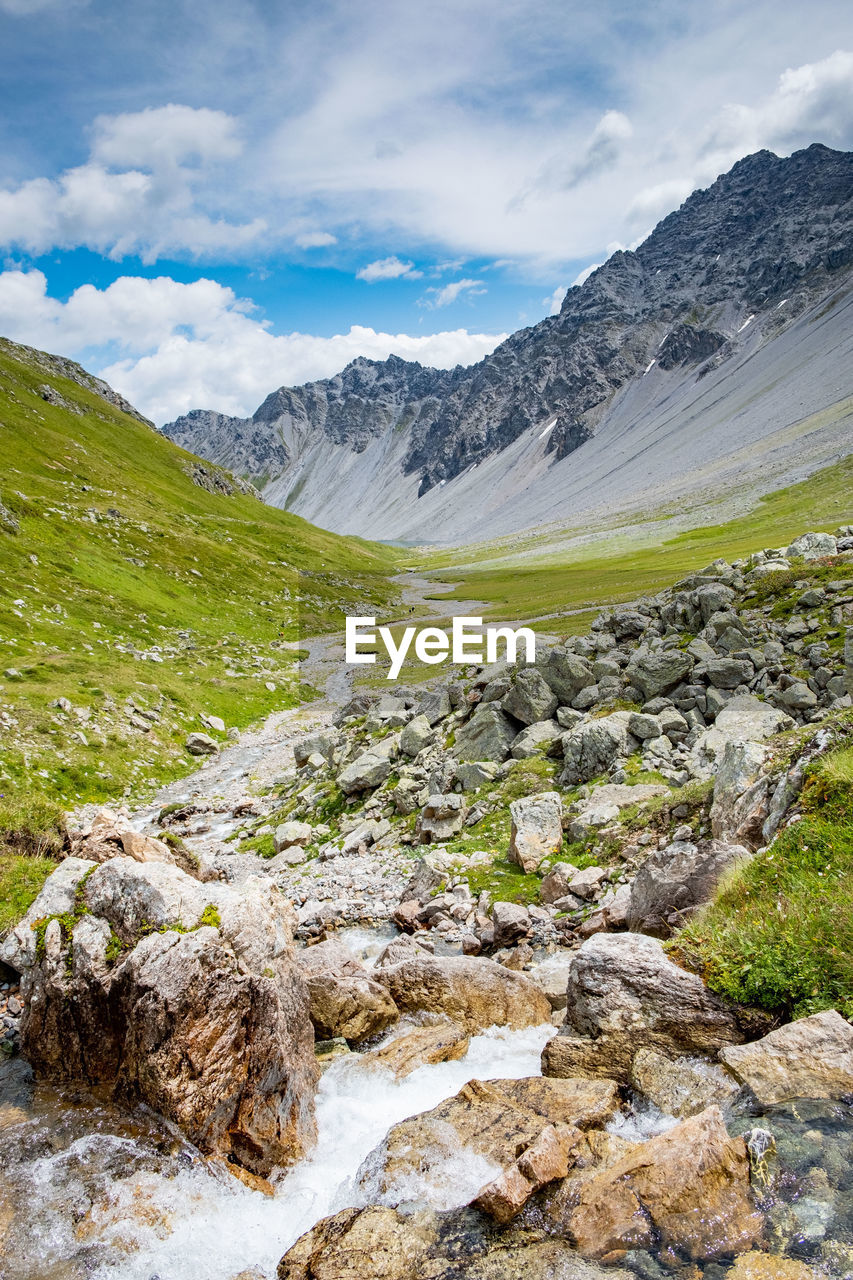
{"points": [[118, 555], [529, 585], [779, 934]]}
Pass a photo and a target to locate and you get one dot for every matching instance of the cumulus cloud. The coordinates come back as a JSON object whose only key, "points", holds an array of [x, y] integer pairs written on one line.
{"points": [[314, 239], [148, 207], [449, 293], [170, 347], [165, 136], [586, 273], [388, 269]]}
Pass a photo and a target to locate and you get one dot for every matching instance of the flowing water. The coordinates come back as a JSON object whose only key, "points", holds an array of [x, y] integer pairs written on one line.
{"points": [[99, 1194]]}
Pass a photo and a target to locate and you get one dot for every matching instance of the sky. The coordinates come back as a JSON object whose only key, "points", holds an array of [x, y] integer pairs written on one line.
{"points": [[203, 202]]}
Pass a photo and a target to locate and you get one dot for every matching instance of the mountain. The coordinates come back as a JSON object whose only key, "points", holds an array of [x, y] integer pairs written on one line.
{"points": [[716, 354]]}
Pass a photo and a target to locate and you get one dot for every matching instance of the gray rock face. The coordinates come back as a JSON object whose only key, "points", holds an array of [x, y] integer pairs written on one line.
{"points": [[676, 880], [416, 735], [812, 546], [738, 249], [536, 739], [565, 674], [488, 735], [442, 817]]}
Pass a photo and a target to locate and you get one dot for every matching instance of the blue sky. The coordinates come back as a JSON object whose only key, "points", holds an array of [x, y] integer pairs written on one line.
{"points": [[203, 202]]}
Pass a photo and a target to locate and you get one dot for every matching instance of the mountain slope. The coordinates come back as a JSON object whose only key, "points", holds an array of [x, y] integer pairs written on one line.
{"points": [[141, 588], [725, 331]]}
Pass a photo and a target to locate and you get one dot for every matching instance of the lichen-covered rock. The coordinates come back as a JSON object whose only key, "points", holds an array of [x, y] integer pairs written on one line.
{"points": [[810, 1058], [656, 673], [367, 771], [591, 748], [565, 674], [470, 990], [179, 995], [531, 698]]}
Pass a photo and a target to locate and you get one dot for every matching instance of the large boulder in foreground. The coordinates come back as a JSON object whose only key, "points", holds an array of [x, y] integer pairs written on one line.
{"points": [[180, 995], [470, 990], [486, 1125], [399, 1244], [686, 1190], [625, 994], [810, 1058]]}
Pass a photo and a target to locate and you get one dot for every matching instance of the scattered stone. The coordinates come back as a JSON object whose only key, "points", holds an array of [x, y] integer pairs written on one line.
{"points": [[537, 830], [201, 744]]}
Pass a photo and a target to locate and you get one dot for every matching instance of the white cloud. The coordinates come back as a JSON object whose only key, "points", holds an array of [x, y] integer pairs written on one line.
{"points": [[314, 239], [170, 347], [450, 292], [165, 136], [388, 269], [555, 301], [148, 209]]}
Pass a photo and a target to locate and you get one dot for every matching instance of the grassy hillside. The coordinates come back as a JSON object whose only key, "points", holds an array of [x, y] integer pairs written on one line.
{"points": [[138, 598], [519, 582]]}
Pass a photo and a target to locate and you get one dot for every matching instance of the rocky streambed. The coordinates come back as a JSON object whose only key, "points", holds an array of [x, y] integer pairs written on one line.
{"points": [[388, 989]]}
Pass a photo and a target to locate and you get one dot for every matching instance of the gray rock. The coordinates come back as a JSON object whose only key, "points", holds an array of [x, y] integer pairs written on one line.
{"points": [[556, 884], [655, 673], [728, 673], [435, 705], [592, 748], [624, 994], [738, 767], [537, 831], [201, 744], [292, 833], [476, 773], [537, 739], [321, 741], [587, 883], [812, 546], [568, 718], [675, 881], [565, 673], [848, 662], [644, 726], [488, 735], [530, 698], [416, 735], [442, 817], [366, 772], [798, 697]]}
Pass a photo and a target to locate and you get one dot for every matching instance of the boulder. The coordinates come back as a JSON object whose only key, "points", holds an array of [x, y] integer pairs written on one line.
{"points": [[442, 817], [416, 735], [812, 546], [756, 1265], [565, 674], [537, 829], [182, 996], [810, 1058], [656, 673], [536, 740], [681, 1086], [288, 834], [380, 1243], [547, 1158], [201, 744], [445, 1042], [495, 1120], [741, 795], [367, 771], [531, 698], [321, 742], [686, 1190], [470, 990], [604, 804], [344, 1000], [511, 922], [624, 994], [744, 719], [556, 883], [676, 880], [587, 883], [591, 748], [434, 705], [488, 735]]}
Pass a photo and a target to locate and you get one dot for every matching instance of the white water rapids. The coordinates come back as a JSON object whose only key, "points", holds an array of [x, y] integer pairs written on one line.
{"points": [[195, 1225]]}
